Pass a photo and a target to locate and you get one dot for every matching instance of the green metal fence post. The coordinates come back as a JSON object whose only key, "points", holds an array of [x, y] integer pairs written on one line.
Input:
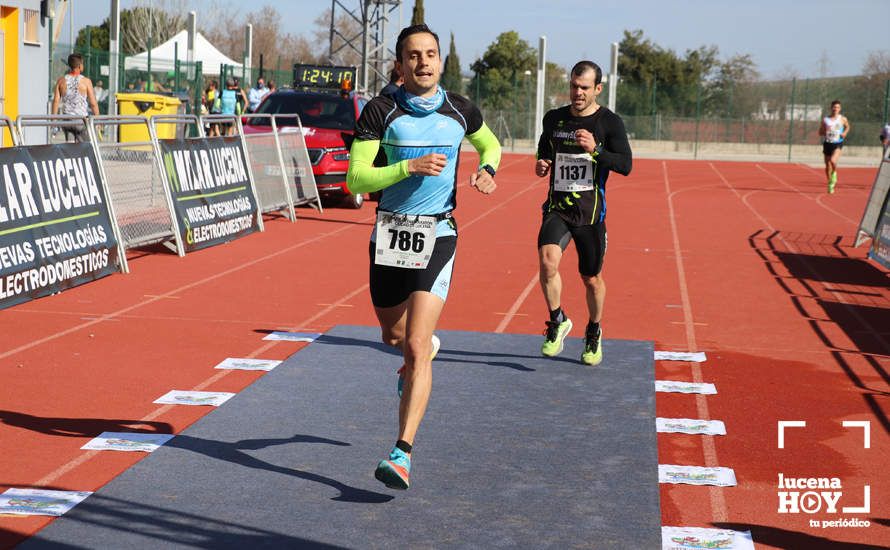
{"points": [[697, 119], [791, 118], [806, 107], [886, 103], [176, 66]]}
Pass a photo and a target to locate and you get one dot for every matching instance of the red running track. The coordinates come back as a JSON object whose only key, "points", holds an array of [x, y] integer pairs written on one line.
{"points": [[751, 263]]}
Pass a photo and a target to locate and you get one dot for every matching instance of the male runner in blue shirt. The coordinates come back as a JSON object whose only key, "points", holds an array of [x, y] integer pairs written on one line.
{"points": [[407, 144]]}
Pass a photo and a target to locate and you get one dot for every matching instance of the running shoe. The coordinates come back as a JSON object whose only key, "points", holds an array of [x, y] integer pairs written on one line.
{"points": [[401, 372], [593, 351], [554, 337], [395, 471]]}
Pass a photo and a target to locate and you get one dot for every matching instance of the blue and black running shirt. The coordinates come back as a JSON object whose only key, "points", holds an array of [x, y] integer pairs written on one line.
{"points": [[570, 164], [406, 133]]}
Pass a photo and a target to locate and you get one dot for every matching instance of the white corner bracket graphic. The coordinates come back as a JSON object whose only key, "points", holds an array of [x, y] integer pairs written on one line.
{"points": [[866, 430], [866, 503], [788, 424]]}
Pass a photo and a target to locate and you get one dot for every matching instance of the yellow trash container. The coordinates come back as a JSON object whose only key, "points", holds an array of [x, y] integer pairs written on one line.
{"points": [[148, 105]]}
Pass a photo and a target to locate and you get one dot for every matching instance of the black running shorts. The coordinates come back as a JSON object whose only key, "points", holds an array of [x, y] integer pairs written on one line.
{"points": [[390, 286], [829, 148], [590, 241]]}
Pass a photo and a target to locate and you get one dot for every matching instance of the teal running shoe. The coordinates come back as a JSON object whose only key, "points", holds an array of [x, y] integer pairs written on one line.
{"points": [[395, 471], [436, 345], [554, 337]]}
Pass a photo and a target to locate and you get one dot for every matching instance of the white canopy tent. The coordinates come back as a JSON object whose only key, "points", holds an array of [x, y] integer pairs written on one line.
{"points": [[162, 57]]}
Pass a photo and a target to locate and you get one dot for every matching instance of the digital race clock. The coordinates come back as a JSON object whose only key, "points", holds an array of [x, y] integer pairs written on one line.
{"points": [[322, 76]]}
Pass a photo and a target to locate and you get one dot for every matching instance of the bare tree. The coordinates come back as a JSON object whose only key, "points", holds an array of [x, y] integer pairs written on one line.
{"points": [[877, 64], [152, 23], [280, 49]]}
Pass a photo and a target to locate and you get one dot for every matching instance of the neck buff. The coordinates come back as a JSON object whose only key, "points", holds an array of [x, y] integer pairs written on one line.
{"points": [[419, 105]]}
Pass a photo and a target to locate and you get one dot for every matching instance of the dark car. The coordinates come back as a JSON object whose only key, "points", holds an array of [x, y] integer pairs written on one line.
{"points": [[328, 121]]}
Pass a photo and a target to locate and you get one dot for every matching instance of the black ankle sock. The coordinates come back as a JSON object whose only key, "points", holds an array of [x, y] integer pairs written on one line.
{"points": [[593, 328], [404, 445], [557, 315]]}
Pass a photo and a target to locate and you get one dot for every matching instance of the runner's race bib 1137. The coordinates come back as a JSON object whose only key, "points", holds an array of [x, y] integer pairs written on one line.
{"points": [[404, 240], [574, 172]]}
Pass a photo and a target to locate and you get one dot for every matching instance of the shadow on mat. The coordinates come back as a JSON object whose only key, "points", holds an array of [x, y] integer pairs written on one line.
{"points": [[783, 538], [107, 521], [234, 453], [80, 427], [444, 353]]}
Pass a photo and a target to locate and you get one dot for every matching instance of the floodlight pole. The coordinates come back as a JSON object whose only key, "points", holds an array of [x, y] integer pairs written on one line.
{"points": [[539, 89], [613, 77], [114, 38]]}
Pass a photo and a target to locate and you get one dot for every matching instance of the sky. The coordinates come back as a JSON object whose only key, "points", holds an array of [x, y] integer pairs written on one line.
{"points": [[805, 38]]}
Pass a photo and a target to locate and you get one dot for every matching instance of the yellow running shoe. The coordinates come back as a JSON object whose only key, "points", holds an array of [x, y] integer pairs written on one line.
{"points": [[593, 349], [554, 337]]}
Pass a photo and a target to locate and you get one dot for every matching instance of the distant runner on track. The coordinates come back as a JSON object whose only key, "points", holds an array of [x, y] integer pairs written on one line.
{"points": [[581, 143], [834, 130], [407, 144]]}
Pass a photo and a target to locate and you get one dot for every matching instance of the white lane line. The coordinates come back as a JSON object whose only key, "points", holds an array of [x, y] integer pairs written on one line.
{"points": [[516, 305], [718, 501]]}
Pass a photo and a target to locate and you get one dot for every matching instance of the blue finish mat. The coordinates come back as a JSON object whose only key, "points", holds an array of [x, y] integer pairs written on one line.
{"points": [[516, 450]]}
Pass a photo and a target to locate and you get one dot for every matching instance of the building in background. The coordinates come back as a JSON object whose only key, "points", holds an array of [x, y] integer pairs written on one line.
{"points": [[24, 55]]}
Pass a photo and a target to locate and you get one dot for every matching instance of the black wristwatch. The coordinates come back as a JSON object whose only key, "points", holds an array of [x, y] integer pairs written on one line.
{"points": [[491, 171]]}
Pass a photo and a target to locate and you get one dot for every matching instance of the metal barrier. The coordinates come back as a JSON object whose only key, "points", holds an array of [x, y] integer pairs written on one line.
{"points": [[236, 121], [64, 122], [144, 207], [13, 131], [74, 121], [267, 164], [297, 165]]}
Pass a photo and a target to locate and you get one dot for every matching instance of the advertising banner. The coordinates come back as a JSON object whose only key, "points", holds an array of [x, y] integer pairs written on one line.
{"points": [[213, 195], [55, 226]]}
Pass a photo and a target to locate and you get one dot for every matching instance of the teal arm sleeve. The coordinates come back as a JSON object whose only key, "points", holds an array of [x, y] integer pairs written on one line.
{"points": [[363, 176], [486, 143]]}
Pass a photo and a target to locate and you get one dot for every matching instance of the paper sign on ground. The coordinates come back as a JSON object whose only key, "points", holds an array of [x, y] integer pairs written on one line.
{"points": [[677, 386], [686, 538], [293, 336], [179, 397], [248, 364], [690, 426], [696, 475], [124, 441], [39, 502], [693, 356]]}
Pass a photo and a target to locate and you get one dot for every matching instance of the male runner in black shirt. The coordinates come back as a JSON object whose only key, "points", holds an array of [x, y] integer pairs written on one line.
{"points": [[581, 143]]}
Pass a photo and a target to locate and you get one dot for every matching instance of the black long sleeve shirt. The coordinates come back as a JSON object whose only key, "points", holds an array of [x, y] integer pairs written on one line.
{"points": [[577, 179]]}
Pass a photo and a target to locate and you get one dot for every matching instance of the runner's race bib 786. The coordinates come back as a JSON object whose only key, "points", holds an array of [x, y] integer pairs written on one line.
{"points": [[574, 172], [404, 240]]}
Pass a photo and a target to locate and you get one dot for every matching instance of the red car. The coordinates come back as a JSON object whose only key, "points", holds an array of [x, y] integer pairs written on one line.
{"points": [[328, 126]]}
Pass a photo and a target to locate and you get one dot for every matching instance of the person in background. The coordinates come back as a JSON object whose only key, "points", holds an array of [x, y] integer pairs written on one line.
{"points": [[72, 93], [256, 94], [100, 91], [214, 106], [395, 80], [834, 130], [101, 97], [885, 139], [232, 101], [272, 86]]}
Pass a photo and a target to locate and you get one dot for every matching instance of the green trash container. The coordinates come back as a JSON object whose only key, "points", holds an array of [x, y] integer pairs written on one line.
{"points": [[148, 105]]}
